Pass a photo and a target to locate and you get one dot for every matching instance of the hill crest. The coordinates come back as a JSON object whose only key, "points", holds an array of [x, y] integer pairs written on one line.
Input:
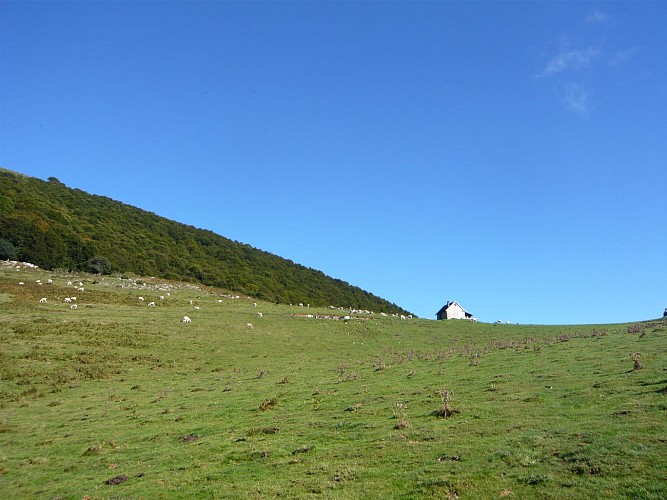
{"points": [[55, 226]]}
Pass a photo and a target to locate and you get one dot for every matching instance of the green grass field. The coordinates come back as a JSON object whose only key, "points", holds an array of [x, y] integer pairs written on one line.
{"points": [[122, 393]]}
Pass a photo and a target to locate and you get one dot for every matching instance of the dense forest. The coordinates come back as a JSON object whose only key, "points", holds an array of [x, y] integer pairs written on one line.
{"points": [[56, 227]]}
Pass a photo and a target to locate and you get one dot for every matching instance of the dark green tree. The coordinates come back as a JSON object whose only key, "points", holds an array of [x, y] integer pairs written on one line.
{"points": [[7, 250], [98, 265]]}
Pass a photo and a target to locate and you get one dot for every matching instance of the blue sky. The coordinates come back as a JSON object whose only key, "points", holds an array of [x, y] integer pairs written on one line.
{"points": [[511, 156]]}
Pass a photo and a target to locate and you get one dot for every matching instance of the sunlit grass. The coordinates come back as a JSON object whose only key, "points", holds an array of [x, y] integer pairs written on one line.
{"points": [[299, 407]]}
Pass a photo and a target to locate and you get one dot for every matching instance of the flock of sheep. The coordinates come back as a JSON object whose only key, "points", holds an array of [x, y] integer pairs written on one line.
{"points": [[139, 284]]}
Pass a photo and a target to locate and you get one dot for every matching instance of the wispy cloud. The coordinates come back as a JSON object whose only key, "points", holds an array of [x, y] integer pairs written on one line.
{"points": [[571, 59], [620, 57], [597, 17], [576, 98]]}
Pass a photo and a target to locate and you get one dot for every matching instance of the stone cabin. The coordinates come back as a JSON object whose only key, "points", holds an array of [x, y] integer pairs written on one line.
{"points": [[453, 310]]}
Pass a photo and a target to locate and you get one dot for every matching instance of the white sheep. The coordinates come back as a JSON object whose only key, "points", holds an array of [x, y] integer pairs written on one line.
{"points": [[21, 283], [249, 325], [73, 299], [196, 308], [80, 289], [254, 304], [73, 306], [67, 299], [42, 300], [161, 297], [186, 319], [259, 314], [141, 299], [151, 304], [50, 281]]}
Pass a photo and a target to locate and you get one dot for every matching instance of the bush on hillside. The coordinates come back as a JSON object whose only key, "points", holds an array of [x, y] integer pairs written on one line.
{"points": [[7, 250], [98, 265]]}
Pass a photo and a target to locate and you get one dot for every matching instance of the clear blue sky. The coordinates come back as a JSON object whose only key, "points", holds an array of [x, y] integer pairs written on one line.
{"points": [[511, 156]]}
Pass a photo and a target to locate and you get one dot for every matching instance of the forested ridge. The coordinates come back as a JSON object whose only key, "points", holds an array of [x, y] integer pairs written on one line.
{"points": [[56, 227]]}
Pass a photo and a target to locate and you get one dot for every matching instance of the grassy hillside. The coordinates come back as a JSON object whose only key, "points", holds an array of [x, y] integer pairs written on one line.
{"points": [[116, 399], [56, 227]]}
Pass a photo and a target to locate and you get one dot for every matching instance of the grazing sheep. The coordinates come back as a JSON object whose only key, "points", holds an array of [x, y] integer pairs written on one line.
{"points": [[80, 289], [73, 299], [254, 304], [73, 306], [141, 299], [69, 283], [151, 304], [186, 319], [42, 300], [50, 281], [259, 314], [161, 297], [196, 308], [346, 318], [249, 325], [219, 301], [21, 283], [67, 299]]}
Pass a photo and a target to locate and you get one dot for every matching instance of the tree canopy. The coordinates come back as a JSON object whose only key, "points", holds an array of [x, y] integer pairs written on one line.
{"points": [[53, 226]]}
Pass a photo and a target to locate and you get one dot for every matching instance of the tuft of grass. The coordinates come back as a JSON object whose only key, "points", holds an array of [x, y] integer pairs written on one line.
{"points": [[267, 403]]}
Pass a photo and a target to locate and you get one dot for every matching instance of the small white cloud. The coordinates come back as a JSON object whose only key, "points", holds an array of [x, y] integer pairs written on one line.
{"points": [[597, 17], [572, 59], [576, 98], [620, 57]]}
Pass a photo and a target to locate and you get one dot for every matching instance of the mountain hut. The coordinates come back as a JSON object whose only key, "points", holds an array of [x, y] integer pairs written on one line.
{"points": [[453, 310]]}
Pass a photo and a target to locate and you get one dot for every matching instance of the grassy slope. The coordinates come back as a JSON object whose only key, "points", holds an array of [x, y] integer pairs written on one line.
{"points": [[347, 410]]}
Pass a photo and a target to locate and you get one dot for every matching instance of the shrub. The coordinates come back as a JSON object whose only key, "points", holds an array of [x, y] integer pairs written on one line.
{"points": [[7, 250], [98, 265], [445, 410]]}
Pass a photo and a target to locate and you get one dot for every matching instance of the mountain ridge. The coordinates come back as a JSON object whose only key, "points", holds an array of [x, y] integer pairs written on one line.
{"points": [[55, 226]]}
